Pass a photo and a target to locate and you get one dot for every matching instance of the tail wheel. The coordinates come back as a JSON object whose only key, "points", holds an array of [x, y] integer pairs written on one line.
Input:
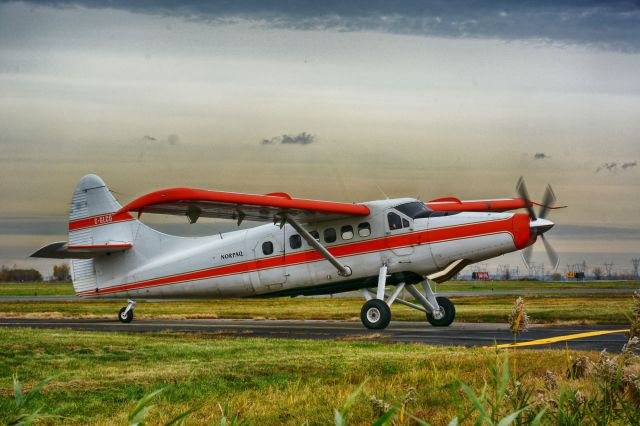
{"points": [[445, 315], [125, 316], [375, 314]]}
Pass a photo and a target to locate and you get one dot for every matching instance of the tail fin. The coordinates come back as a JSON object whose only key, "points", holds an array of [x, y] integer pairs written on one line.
{"points": [[93, 226]]}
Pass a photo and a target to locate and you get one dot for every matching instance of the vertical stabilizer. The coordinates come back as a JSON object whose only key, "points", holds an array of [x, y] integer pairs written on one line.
{"points": [[92, 222]]}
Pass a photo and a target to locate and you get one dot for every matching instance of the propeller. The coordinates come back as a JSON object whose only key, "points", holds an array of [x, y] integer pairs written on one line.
{"points": [[539, 224]]}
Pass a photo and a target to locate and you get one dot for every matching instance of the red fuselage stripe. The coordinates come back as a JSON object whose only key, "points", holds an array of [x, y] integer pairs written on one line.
{"points": [[403, 240]]}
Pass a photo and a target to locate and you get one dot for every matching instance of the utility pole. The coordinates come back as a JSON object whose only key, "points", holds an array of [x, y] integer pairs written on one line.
{"points": [[608, 267]]}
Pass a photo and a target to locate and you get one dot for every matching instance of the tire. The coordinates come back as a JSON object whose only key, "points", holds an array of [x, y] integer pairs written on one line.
{"points": [[449, 313], [375, 314], [125, 318]]}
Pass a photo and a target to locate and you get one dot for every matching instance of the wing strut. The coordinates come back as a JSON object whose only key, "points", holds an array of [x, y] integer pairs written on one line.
{"points": [[343, 270]]}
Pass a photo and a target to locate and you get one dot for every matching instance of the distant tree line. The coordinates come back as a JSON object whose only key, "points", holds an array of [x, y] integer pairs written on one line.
{"points": [[61, 273], [16, 275]]}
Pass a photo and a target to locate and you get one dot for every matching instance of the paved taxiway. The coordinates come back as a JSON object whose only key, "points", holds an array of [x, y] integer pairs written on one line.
{"points": [[593, 337]]}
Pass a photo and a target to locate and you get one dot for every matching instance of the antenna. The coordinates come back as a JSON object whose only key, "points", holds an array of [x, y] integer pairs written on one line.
{"points": [[608, 267], [380, 189], [636, 263]]}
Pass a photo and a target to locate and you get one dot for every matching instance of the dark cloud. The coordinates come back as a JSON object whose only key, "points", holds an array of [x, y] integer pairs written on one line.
{"points": [[616, 165], [169, 140], [303, 138], [605, 24], [540, 156]]}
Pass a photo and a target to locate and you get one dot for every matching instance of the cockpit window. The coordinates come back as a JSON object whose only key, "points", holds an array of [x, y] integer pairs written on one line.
{"points": [[414, 209], [395, 221]]}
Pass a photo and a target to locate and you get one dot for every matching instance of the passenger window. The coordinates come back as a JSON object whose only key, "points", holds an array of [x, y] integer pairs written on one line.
{"points": [[267, 247], [405, 223], [315, 235], [364, 229], [346, 232], [395, 221], [329, 235], [295, 241]]}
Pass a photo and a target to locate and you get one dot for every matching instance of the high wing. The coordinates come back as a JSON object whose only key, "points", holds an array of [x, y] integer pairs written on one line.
{"points": [[452, 204], [196, 203]]}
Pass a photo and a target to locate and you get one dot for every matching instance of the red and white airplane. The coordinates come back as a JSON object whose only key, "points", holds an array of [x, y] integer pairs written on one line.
{"points": [[308, 247]]}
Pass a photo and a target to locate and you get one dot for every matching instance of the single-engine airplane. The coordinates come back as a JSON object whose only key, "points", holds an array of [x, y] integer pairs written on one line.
{"points": [[307, 247]]}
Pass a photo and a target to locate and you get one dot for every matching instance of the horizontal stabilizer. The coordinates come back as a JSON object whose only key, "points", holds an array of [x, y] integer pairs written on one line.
{"points": [[449, 272], [62, 250]]}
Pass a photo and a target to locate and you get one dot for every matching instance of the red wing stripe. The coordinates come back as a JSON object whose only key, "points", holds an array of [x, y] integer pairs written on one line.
{"points": [[100, 220], [404, 240]]}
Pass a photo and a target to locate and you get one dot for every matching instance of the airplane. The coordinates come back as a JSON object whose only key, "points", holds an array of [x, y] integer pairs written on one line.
{"points": [[307, 247]]}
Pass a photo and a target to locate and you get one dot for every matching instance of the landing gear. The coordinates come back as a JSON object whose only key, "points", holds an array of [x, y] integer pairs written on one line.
{"points": [[375, 314], [126, 314], [444, 315]]}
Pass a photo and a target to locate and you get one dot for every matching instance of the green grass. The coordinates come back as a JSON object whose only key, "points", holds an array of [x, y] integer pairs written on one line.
{"points": [[100, 376], [66, 289], [601, 308], [36, 289], [533, 285]]}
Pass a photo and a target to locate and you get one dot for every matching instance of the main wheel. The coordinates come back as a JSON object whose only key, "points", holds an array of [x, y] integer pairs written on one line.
{"points": [[445, 315], [375, 314], [125, 317]]}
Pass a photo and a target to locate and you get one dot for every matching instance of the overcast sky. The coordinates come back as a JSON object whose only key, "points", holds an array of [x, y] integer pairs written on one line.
{"points": [[327, 100]]}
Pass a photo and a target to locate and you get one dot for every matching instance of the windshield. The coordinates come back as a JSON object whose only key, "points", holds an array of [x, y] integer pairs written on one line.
{"points": [[414, 209]]}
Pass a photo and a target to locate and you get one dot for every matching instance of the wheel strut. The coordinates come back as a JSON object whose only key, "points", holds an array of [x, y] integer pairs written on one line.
{"points": [[126, 314]]}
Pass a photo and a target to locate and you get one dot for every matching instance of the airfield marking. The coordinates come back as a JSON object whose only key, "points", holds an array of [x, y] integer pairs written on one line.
{"points": [[549, 340]]}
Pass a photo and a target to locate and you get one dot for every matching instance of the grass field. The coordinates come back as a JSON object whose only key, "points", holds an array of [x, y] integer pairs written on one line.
{"points": [[604, 308], [66, 289], [99, 376], [599, 308]]}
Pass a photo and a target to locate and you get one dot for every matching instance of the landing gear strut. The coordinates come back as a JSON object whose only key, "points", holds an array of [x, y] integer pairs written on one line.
{"points": [[126, 314], [376, 312]]}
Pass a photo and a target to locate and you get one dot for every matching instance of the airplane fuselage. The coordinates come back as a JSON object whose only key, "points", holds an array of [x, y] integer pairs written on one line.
{"points": [[270, 260]]}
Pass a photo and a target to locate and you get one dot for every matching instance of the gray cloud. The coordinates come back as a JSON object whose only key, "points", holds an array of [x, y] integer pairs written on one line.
{"points": [[303, 138], [611, 25], [540, 156], [171, 139], [616, 165]]}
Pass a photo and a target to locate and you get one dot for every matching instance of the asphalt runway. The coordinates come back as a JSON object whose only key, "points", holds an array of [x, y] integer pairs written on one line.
{"points": [[593, 337]]}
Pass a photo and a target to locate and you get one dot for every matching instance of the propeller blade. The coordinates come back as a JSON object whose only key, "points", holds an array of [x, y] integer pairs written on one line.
{"points": [[553, 256], [526, 255], [521, 188], [548, 200]]}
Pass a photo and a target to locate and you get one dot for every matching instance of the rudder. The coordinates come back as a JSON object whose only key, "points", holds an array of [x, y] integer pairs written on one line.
{"points": [[92, 222]]}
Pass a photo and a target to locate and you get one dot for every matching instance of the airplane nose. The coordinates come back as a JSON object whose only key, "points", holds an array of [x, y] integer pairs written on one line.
{"points": [[541, 225]]}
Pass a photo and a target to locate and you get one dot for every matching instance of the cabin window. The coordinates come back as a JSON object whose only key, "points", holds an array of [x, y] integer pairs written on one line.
{"points": [[315, 235], [295, 241], [346, 232], [405, 223], [364, 229], [329, 235], [395, 221], [267, 248]]}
